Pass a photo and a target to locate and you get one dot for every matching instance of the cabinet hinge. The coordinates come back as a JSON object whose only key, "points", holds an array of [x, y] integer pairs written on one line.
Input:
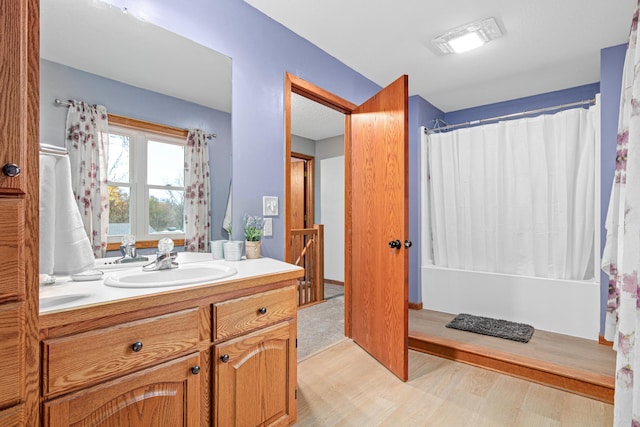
{"points": [[296, 394], [296, 342]]}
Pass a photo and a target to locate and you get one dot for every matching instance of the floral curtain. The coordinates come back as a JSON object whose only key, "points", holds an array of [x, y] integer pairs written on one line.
{"points": [[197, 214], [87, 140], [621, 258]]}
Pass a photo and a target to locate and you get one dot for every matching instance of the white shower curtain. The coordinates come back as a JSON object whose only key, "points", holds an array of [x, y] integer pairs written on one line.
{"points": [[517, 196]]}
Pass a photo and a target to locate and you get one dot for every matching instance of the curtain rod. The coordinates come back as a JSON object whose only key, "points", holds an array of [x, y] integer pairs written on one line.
{"points": [[508, 116], [53, 149], [61, 103]]}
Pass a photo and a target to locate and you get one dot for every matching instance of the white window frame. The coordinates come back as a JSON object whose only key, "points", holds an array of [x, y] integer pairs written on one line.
{"points": [[138, 186]]}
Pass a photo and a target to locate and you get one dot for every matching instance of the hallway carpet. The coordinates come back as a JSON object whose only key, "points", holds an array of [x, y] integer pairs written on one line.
{"points": [[321, 325]]}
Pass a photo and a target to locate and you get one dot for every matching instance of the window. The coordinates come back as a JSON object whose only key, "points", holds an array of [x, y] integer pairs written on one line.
{"points": [[146, 184]]}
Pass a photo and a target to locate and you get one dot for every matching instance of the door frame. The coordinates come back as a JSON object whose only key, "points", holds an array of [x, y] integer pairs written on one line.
{"points": [[294, 84]]}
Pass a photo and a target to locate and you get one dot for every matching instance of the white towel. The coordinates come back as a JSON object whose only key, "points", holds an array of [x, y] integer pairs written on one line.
{"points": [[64, 245], [226, 223]]}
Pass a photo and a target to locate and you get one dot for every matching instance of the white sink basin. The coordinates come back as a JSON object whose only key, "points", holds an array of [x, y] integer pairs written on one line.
{"points": [[184, 275], [56, 300]]}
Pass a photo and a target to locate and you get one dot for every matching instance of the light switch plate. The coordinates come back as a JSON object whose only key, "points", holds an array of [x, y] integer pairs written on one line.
{"points": [[269, 206], [268, 227]]}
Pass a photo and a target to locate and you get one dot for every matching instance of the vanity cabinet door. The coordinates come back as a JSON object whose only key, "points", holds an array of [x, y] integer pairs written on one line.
{"points": [[165, 395], [16, 50], [255, 378], [19, 104], [12, 359], [12, 283]]}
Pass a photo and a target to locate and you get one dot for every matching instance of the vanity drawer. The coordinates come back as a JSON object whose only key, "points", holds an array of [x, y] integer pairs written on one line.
{"points": [[248, 313], [79, 360]]}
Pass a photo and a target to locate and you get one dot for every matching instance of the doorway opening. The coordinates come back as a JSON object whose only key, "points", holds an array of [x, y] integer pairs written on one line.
{"points": [[314, 197], [376, 194]]}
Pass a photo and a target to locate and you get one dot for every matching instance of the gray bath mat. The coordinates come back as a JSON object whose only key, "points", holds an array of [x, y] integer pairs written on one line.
{"points": [[494, 327]]}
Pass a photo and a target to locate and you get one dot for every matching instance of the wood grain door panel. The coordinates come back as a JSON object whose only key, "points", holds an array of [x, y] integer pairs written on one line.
{"points": [[255, 382], [297, 194], [379, 214], [165, 395], [12, 281]]}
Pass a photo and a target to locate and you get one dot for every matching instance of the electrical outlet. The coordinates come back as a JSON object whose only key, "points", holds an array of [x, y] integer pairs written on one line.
{"points": [[268, 227]]}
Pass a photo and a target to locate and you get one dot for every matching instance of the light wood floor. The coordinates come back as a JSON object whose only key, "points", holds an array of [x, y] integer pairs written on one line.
{"points": [[344, 386], [563, 350]]}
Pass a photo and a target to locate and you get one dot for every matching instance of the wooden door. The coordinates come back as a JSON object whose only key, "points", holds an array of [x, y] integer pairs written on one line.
{"points": [[378, 196], [298, 198], [255, 378], [19, 122], [165, 395]]}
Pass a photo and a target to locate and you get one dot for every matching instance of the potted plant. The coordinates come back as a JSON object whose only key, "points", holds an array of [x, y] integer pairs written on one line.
{"points": [[253, 230]]}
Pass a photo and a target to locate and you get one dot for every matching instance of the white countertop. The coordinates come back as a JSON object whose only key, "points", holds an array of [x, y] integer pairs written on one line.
{"points": [[66, 294]]}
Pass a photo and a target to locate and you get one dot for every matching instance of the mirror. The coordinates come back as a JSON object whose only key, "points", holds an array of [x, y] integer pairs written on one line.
{"points": [[94, 52]]}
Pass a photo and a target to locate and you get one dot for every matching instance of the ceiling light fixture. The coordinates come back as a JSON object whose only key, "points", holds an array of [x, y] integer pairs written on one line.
{"points": [[467, 37]]}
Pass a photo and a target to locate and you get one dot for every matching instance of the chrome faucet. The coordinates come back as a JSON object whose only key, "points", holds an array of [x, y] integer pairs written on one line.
{"points": [[165, 257], [128, 251]]}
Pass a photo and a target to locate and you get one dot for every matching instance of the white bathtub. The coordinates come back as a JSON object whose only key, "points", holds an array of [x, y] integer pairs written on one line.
{"points": [[564, 306]]}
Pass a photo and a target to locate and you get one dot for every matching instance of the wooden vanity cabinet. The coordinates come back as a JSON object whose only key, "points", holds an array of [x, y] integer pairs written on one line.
{"points": [[19, 122], [226, 359]]}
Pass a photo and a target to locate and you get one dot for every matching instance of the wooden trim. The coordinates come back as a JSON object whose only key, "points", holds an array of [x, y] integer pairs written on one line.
{"points": [[333, 282], [596, 386], [128, 122], [29, 54], [603, 341], [415, 305], [287, 167], [348, 247], [310, 196], [319, 95], [315, 93], [143, 244], [301, 156]]}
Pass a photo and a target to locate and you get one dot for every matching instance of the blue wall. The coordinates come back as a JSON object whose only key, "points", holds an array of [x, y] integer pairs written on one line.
{"points": [[261, 51], [535, 102], [611, 65], [61, 82]]}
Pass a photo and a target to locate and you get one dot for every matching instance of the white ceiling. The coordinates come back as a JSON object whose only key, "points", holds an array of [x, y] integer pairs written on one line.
{"points": [[314, 121], [131, 51], [548, 44]]}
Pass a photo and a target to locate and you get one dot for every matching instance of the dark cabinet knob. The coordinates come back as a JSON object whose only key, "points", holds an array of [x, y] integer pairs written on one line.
{"points": [[263, 310], [395, 244], [136, 346], [195, 370], [224, 358], [408, 244], [11, 170]]}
